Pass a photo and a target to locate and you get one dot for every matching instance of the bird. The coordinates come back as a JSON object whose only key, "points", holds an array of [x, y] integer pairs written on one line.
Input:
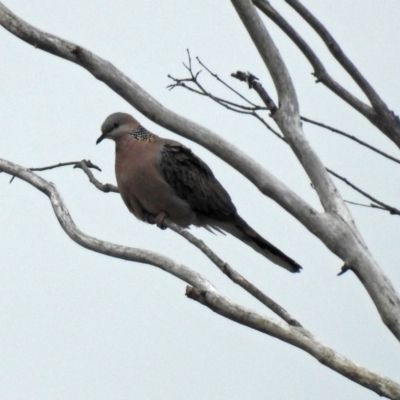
{"points": [[160, 178]]}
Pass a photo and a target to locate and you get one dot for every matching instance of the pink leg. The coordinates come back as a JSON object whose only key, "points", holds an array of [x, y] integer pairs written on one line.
{"points": [[160, 220]]}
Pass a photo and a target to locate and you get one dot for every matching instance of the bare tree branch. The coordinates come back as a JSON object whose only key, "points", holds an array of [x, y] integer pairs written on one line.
{"points": [[366, 205], [288, 117], [126, 253], [319, 70], [253, 83], [151, 108], [341, 222], [351, 137], [222, 265], [337, 52], [204, 292], [213, 74], [202, 91], [88, 163], [236, 107], [325, 355], [382, 117], [106, 188], [233, 275], [392, 210]]}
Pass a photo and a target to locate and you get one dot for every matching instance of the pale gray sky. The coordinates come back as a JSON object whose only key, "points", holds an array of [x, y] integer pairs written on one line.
{"points": [[79, 325]]}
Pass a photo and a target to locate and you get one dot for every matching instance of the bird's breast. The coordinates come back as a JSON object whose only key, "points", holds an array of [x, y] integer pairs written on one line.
{"points": [[144, 188]]}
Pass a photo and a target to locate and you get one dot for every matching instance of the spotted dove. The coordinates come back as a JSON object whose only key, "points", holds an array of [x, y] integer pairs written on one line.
{"points": [[161, 178]]}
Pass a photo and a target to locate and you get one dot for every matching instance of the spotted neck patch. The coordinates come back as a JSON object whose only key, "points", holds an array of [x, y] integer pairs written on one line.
{"points": [[141, 133]]}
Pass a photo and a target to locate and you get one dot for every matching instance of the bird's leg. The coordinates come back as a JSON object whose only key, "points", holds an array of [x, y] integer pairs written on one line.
{"points": [[160, 220]]}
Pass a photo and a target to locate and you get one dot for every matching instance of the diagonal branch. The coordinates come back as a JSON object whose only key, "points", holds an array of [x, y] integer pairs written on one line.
{"points": [[342, 226], [214, 75], [325, 355], [106, 188], [319, 69], [387, 207], [386, 120], [351, 137], [287, 116], [337, 52], [224, 267], [234, 276], [151, 108]]}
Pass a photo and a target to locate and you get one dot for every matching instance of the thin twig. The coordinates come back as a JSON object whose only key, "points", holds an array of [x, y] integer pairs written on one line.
{"points": [[392, 210], [224, 83], [269, 127], [366, 205], [253, 83], [251, 80], [355, 139], [233, 274], [88, 164], [239, 108], [106, 188]]}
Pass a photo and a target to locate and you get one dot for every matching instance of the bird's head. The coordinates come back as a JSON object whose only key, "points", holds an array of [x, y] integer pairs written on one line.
{"points": [[116, 126]]}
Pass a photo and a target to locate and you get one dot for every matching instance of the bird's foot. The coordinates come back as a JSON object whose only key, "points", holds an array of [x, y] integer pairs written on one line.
{"points": [[160, 220]]}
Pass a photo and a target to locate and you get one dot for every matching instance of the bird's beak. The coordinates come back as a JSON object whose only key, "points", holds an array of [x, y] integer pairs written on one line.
{"points": [[103, 136]]}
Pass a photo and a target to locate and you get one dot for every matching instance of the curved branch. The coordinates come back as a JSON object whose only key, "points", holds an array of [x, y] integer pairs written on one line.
{"points": [[297, 337], [204, 292], [126, 253], [106, 188]]}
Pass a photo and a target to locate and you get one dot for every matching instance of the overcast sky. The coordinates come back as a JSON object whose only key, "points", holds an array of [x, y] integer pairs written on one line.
{"points": [[78, 325]]}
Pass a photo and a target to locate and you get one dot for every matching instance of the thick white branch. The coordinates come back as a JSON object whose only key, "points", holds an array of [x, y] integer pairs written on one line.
{"points": [[342, 236], [152, 109], [288, 117], [299, 338]]}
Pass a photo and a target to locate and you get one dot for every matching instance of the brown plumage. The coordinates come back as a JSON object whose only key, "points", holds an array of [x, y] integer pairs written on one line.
{"points": [[160, 178]]}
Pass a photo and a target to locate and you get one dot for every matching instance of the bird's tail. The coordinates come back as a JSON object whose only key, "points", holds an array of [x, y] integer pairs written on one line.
{"points": [[241, 230]]}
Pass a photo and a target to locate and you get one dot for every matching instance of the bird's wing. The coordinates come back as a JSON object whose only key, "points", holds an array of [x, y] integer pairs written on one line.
{"points": [[194, 182]]}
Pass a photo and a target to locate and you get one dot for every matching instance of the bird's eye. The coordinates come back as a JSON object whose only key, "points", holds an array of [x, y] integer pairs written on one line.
{"points": [[116, 124]]}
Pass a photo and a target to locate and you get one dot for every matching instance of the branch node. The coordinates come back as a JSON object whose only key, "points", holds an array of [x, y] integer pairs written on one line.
{"points": [[195, 294], [76, 50], [344, 269]]}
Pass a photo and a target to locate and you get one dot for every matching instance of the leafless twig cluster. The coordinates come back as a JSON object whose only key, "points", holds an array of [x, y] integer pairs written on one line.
{"points": [[254, 110]]}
